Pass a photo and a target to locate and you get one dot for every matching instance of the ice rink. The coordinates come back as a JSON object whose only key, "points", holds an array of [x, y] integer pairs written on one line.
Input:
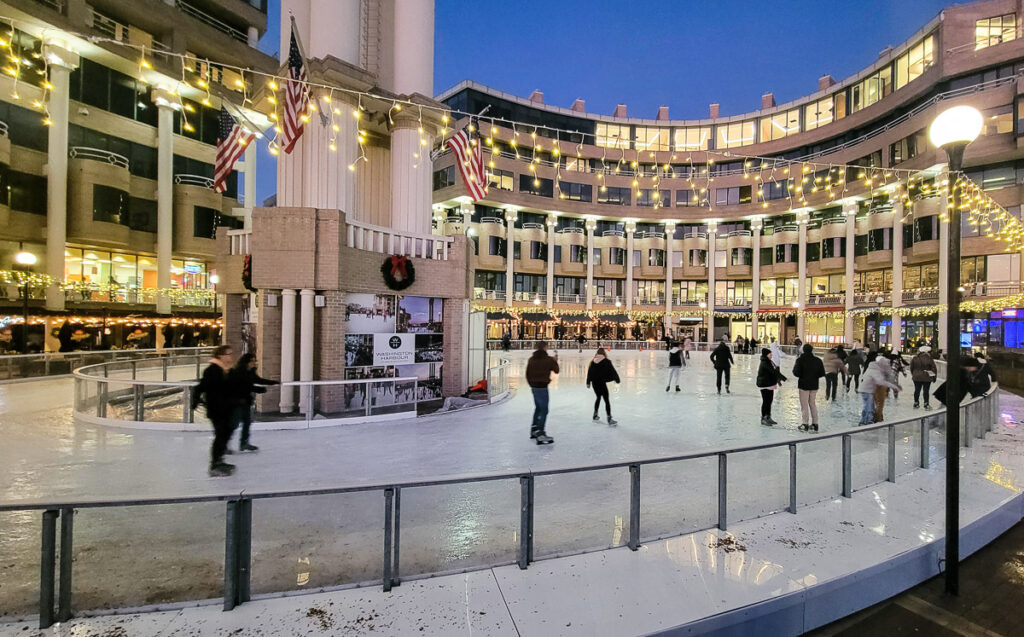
{"points": [[151, 555]]}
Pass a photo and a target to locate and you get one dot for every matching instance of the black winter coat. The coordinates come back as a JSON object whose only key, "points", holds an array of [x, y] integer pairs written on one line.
{"points": [[675, 357], [722, 357], [603, 372], [809, 370], [215, 392], [768, 374], [246, 383]]}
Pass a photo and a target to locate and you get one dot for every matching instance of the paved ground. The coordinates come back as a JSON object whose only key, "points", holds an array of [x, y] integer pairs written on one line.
{"points": [[989, 603]]}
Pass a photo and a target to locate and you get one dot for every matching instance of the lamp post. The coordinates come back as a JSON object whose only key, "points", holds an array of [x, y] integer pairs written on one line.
{"points": [[880, 301], [796, 309], [952, 131], [214, 280], [703, 318], [23, 262]]}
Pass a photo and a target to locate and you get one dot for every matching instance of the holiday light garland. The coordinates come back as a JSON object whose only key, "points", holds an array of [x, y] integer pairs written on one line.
{"points": [[39, 280]]}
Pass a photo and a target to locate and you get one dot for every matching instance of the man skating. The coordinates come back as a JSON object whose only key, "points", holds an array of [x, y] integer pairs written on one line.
{"points": [[722, 360], [808, 370], [216, 393], [538, 376]]}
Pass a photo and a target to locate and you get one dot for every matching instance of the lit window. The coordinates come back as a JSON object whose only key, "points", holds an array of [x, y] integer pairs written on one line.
{"points": [[912, 64], [993, 31], [780, 125], [612, 136], [818, 113], [733, 135], [649, 138], [695, 138]]}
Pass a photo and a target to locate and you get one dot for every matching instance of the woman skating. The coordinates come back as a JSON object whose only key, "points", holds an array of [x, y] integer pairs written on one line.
{"points": [[599, 374], [834, 366], [675, 365], [768, 378]]}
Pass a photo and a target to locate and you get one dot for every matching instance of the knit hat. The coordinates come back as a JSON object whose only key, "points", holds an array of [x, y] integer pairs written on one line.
{"points": [[924, 348], [765, 351]]}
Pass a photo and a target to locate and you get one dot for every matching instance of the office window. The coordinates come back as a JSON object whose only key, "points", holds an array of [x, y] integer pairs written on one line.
{"points": [[833, 247], [766, 256], [109, 204], [577, 164], [495, 246], [536, 186], [575, 192], [733, 196], [489, 280], [612, 136], [992, 31], [651, 138], [650, 198], [539, 250], [616, 256], [205, 221], [613, 195], [558, 254], [656, 257], [907, 148], [577, 254], [813, 252], [27, 192], [596, 252], [517, 248], [699, 258], [880, 239], [691, 198], [787, 253], [445, 177], [926, 228], [694, 138], [24, 127], [141, 214], [912, 64], [860, 245], [818, 113], [741, 256], [733, 135], [533, 283], [871, 89], [773, 190], [496, 178], [780, 125], [636, 258]]}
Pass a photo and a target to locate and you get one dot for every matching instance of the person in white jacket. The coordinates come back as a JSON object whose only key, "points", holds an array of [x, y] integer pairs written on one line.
{"points": [[876, 375], [675, 365]]}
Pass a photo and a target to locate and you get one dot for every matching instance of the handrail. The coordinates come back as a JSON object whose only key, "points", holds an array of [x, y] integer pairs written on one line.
{"points": [[613, 233], [206, 18], [834, 221], [741, 233], [3, 129], [366, 236], [239, 241], [786, 228], [530, 225], [497, 220], [97, 154], [193, 180]]}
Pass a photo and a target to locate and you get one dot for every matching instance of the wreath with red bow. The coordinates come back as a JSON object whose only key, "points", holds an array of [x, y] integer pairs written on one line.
{"points": [[398, 272], [247, 273]]}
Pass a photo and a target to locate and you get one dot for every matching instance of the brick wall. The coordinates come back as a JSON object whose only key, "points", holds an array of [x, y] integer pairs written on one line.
{"points": [[268, 348]]}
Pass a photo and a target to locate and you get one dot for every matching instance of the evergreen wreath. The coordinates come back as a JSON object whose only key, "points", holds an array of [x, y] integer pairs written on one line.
{"points": [[247, 273], [398, 272]]}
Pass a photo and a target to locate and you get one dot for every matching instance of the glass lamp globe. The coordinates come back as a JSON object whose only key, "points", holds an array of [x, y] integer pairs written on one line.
{"points": [[957, 125], [25, 258]]}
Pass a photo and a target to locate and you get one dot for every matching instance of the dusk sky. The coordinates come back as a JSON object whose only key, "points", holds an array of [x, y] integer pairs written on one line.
{"points": [[684, 54]]}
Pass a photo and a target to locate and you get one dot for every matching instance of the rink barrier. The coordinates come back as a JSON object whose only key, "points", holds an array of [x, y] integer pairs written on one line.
{"points": [[15, 367], [593, 344], [977, 418], [498, 380]]}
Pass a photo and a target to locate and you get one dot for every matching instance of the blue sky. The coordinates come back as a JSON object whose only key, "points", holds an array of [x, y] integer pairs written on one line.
{"points": [[684, 54]]}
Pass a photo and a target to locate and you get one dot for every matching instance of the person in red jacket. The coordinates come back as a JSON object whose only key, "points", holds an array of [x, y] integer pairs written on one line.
{"points": [[538, 376]]}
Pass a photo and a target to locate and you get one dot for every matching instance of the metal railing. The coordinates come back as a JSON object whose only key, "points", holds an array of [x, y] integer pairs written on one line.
{"points": [[144, 394], [871, 298], [96, 154], [364, 236], [22, 366], [489, 295], [836, 298], [613, 233], [530, 225], [572, 344], [920, 295], [497, 220], [239, 241], [695, 235], [3, 129], [56, 5], [571, 230], [498, 381], [741, 233], [992, 288], [900, 446], [193, 180], [834, 221], [208, 19]]}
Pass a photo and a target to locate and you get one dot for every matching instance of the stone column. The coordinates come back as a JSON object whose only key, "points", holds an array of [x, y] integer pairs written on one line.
{"points": [[630, 229], [591, 226], [287, 403], [510, 235], [249, 192], [712, 239], [850, 211], [801, 277], [414, 48], [166, 104], [61, 62], [755, 283], [896, 334], [306, 327], [943, 263], [551, 261], [670, 230], [410, 174]]}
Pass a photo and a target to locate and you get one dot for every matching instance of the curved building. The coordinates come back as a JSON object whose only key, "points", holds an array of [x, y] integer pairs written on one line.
{"points": [[636, 219]]}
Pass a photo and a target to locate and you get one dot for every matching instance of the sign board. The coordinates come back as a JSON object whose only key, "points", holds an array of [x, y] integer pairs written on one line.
{"points": [[394, 349]]}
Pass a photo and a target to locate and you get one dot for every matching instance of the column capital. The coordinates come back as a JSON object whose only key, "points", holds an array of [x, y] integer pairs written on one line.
{"points": [[287, 292], [164, 97], [510, 216], [306, 292], [712, 226], [630, 227], [57, 54]]}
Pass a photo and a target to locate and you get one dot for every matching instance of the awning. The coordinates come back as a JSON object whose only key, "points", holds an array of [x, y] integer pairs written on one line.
{"points": [[499, 316], [576, 318], [536, 317], [615, 318]]}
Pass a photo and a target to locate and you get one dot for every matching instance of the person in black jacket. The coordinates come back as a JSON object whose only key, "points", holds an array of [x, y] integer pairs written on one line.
{"points": [[768, 378], [246, 383], [216, 393], [809, 370], [599, 374], [721, 357]]}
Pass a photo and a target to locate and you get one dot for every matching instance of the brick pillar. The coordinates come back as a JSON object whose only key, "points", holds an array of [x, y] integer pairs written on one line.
{"points": [[268, 348], [453, 373], [233, 310]]}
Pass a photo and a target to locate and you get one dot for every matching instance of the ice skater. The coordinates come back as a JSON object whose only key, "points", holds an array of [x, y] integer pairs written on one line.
{"points": [[675, 365], [687, 346], [599, 374], [722, 360], [808, 369], [834, 366], [538, 376], [873, 379], [923, 373], [855, 364], [246, 383], [769, 376], [216, 394]]}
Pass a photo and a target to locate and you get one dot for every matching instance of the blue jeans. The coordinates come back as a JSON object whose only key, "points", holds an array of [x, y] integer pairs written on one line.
{"points": [[867, 414], [540, 409]]}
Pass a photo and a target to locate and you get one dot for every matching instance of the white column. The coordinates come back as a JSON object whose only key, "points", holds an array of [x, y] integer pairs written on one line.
{"points": [[670, 230], [287, 350], [164, 194], [305, 345], [897, 274], [591, 226], [551, 261], [712, 240], [249, 188], [411, 193], [414, 47], [253, 36], [61, 63], [630, 229], [943, 263], [755, 284], [332, 29], [510, 236], [801, 276], [850, 211]]}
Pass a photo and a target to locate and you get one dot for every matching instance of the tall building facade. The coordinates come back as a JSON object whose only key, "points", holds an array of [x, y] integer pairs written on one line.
{"points": [[621, 226], [107, 157]]}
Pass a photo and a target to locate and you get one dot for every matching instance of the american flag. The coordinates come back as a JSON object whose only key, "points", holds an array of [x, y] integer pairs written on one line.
{"points": [[231, 142], [296, 98], [470, 161]]}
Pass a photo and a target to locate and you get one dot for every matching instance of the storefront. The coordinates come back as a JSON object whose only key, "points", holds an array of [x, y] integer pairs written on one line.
{"points": [[124, 277], [824, 326], [86, 333]]}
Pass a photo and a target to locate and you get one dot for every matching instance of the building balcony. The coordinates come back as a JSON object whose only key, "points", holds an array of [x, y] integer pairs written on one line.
{"points": [[921, 295], [833, 298], [725, 302], [108, 225], [480, 294], [692, 301], [657, 300], [604, 299], [578, 299], [992, 289], [868, 299]]}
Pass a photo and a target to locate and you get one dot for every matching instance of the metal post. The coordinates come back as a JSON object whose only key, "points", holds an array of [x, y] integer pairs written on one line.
{"points": [[389, 495], [163, 367], [529, 551], [792, 478], [395, 578], [308, 390], [67, 521], [139, 402], [101, 399], [231, 555], [186, 407], [925, 446], [244, 544], [134, 371], [46, 569], [964, 418], [368, 387], [847, 466], [892, 454], [525, 520], [634, 507], [722, 480], [199, 370]]}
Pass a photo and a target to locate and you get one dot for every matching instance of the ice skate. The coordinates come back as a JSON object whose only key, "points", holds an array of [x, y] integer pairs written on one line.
{"points": [[804, 427], [814, 427], [597, 418], [544, 439], [247, 448], [766, 421], [221, 470], [612, 422], [677, 388], [917, 405]]}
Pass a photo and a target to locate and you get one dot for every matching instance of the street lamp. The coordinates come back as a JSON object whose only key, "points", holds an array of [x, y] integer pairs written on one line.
{"points": [[952, 131], [880, 300], [23, 262], [214, 280], [703, 317]]}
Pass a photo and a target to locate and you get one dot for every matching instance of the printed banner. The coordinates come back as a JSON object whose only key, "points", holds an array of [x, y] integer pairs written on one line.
{"points": [[394, 349]]}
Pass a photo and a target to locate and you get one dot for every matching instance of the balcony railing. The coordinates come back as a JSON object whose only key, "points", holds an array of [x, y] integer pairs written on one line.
{"points": [[650, 235], [832, 298], [871, 298], [193, 180], [606, 299], [56, 5], [695, 235], [364, 236], [613, 233], [239, 241], [834, 221], [497, 220], [788, 228], [727, 302], [690, 302], [992, 288], [649, 300], [529, 225], [571, 231], [924, 294], [488, 295], [96, 154], [570, 298], [740, 233], [3, 129], [208, 19]]}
